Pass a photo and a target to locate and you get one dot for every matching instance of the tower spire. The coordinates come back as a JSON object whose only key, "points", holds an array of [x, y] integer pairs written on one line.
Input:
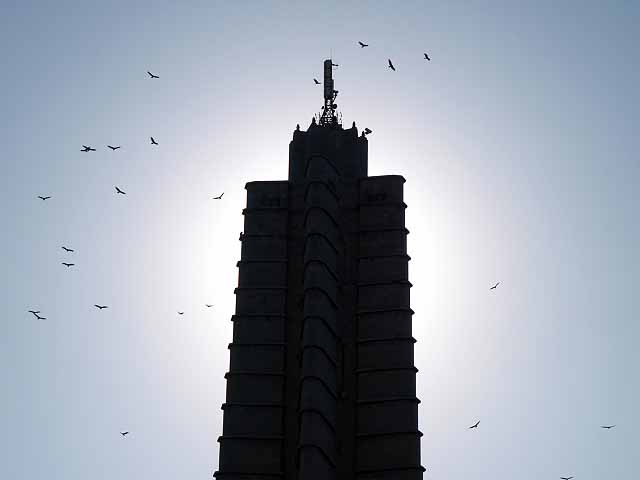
{"points": [[328, 116]]}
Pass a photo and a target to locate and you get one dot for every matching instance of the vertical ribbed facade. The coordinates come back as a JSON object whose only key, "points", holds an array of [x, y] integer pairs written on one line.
{"points": [[321, 383]]}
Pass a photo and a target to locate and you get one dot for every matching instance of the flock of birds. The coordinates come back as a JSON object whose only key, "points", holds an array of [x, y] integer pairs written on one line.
{"points": [[364, 45], [36, 313], [113, 148], [87, 148]]}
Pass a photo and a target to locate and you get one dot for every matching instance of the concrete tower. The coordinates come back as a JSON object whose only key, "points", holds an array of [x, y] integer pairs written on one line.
{"points": [[321, 384]]}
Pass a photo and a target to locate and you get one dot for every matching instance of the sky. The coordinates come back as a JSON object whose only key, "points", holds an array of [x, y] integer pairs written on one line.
{"points": [[518, 141]]}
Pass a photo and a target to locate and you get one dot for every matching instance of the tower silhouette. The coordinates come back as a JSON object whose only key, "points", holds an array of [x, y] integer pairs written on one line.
{"points": [[321, 384]]}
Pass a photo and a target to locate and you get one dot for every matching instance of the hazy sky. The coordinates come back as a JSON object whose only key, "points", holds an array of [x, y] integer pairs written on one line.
{"points": [[519, 144]]}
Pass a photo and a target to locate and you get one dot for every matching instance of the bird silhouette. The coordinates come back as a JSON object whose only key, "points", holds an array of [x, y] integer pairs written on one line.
{"points": [[153, 142], [363, 44], [43, 198], [391, 65], [35, 312], [67, 249], [180, 313], [100, 307], [207, 305], [219, 196], [87, 149], [495, 286], [152, 75], [367, 131], [316, 81], [476, 424], [113, 148], [334, 64], [426, 57], [124, 433], [566, 478], [39, 317], [607, 426], [68, 264], [120, 191]]}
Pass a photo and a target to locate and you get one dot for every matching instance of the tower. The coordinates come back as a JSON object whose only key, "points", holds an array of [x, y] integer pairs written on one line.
{"points": [[321, 384]]}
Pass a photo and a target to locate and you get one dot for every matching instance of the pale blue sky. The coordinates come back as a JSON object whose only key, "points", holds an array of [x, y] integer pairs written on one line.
{"points": [[519, 145]]}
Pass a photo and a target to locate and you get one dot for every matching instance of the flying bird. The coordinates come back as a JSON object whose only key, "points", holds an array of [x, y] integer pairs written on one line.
{"points": [[120, 191], [566, 478], [113, 148], [316, 81], [87, 149], [391, 65], [426, 57], [207, 305], [152, 75], [43, 198], [367, 131], [180, 313], [67, 249], [124, 433], [476, 424], [100, 307], [363, 44], [607, 426], [495, 286], [153, 142], [334, 64], [219, 196], [68, 264]]}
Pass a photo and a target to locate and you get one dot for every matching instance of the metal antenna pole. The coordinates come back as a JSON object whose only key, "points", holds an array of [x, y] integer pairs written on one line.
{"points": [[328, 116]]}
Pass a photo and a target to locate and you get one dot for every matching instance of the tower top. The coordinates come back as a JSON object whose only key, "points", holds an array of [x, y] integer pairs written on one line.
{"points": [[328, 117]]}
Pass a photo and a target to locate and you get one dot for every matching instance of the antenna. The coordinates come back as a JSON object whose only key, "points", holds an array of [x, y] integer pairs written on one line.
{"points": [[328, 116]]}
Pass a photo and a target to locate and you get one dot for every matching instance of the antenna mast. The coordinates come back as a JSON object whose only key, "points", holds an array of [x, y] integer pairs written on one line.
{"points": [[328, 116]]}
